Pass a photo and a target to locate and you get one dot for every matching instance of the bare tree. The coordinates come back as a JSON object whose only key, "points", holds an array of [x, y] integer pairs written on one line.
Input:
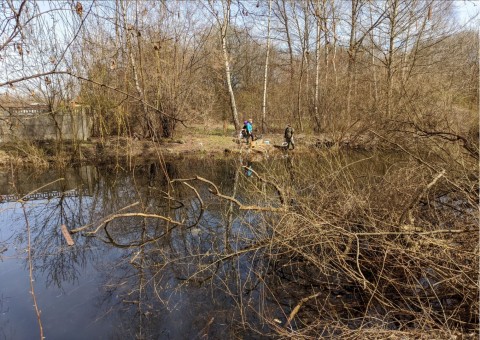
{"points": [[132, 30], [223, 24], [265, 78]]}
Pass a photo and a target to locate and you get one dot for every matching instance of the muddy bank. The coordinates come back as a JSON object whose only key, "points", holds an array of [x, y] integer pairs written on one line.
{"points": [[122, 149]]}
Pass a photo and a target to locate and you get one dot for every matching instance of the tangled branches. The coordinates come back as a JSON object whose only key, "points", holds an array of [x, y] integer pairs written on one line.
{"points": [[323, 246], [362, 250]]}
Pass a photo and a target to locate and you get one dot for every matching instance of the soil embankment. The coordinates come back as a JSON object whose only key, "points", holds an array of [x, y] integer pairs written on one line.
{"points": [[196, 141], [119, 149]]}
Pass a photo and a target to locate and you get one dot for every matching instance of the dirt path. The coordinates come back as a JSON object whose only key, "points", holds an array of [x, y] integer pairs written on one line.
{"points": [[193, 141]]}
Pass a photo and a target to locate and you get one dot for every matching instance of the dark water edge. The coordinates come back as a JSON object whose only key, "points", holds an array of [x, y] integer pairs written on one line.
{"points": [[111, 286]]}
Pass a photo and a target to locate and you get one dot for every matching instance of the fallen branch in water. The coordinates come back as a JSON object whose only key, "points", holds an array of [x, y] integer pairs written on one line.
{"points": [[73, 231], [21, 200], [66, 235], [113, 217], [29, 252], [30, 273], [215, 191], [297, 308]]}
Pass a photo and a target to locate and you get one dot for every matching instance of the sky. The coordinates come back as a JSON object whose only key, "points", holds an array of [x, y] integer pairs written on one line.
{"points": [[467, 13], [468, 10]]}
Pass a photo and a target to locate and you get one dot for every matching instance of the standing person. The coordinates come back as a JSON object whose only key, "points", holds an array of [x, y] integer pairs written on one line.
{"points": [[250, 130], [244, 131], [289, 137]]}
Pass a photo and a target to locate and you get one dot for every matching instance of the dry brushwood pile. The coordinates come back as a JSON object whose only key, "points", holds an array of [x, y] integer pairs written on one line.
{"points": [[352, 250], [399, 253], [371, 252]]}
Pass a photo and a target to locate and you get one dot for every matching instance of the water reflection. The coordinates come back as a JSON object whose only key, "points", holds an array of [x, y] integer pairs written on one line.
{"points": [[137, 276], [156, 258]]}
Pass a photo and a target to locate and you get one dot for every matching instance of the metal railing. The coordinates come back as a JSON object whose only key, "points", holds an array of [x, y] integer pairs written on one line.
{"points": [[47, 195]]}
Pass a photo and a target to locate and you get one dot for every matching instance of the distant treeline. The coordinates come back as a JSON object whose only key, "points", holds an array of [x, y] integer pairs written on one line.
{"points": [[322, 65]]}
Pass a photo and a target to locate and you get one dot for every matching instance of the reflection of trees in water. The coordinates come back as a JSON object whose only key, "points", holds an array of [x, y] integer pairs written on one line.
{"points": [[308, 259], [160, 254], [4, 327], [162, 268], [188, 267], [49, 252]]}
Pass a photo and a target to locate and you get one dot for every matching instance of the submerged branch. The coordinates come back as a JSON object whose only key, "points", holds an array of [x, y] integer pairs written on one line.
{"points": [[215, 191], [73, 231], [113, 217], [298, 306], [21, 200], [277, 188]]}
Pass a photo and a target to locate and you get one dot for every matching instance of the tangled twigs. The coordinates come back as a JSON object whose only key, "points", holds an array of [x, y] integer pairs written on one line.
{"points": [[449, 136], [215, 191], [253, 247], [418, 196], [281, 195]]}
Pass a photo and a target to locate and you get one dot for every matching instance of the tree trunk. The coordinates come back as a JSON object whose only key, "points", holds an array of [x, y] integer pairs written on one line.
{"points": [[351, 53], [148, 128], [284, 15], [265, 77], [390, 57], [334, 56], [317, 68], [302, 32], [374, 90], [225, 24]]}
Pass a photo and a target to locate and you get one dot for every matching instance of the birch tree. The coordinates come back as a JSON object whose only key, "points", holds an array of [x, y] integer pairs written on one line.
{"points": [[265, 78], [320, 21], [223, 21]]}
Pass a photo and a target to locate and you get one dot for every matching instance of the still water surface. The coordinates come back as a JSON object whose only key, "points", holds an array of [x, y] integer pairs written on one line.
{"points": [[185, 273], [138, 278]]}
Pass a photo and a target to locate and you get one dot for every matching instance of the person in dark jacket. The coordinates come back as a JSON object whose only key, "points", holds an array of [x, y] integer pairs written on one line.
{"points": [[289, 137], [244, 132]]}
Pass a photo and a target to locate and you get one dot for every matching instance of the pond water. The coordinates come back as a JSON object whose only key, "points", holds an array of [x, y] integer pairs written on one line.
{"points": [[141, 277], [161, 259]]}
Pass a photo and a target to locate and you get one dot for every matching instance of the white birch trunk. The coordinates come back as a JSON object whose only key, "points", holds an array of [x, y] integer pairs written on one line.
{"points": [[225, 23], [265, 77], [317, 68]]}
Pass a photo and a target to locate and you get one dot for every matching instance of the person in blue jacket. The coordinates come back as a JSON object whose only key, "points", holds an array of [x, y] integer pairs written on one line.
{"points": [[250, 136]]}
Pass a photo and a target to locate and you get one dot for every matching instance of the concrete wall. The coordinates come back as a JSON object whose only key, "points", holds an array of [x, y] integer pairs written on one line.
{"points": [[37, 123]]}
